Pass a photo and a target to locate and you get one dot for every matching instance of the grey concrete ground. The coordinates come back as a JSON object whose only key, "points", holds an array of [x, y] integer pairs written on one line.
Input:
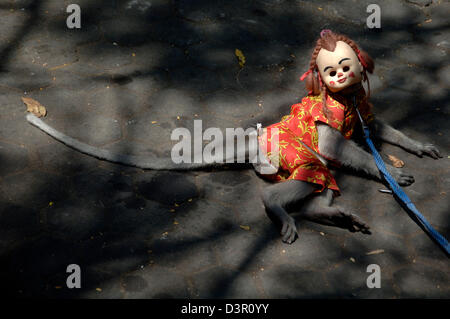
{"points": [[138, 69]]}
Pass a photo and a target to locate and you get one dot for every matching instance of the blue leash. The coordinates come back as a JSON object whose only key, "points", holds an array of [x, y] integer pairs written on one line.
{"points": [[398, 190]]}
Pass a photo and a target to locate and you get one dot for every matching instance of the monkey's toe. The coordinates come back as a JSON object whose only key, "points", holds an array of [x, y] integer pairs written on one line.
{"points": [[351, 221], [430, 150], [405, 180], [359, 225]]}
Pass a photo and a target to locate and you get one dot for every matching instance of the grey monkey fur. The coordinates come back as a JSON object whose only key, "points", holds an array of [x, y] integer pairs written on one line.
{"points": [[278, 197]]}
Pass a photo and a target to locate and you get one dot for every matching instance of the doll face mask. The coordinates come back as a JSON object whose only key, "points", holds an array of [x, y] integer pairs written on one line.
{"points": [[339, 69]]}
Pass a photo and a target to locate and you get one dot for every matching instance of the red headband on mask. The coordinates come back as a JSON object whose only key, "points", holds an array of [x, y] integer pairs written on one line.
{"points": [[361, 59], [305, 75]]}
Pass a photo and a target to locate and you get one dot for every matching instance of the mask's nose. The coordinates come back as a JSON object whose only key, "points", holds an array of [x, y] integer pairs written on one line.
{"points": [[340, 74]]}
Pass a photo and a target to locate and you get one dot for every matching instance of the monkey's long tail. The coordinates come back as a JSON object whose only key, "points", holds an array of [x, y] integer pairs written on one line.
{"points": [[144, 162]]}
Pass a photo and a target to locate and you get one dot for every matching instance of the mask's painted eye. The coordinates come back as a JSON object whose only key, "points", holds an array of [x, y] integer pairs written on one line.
{"points": [[346, 68], [332, 73]]}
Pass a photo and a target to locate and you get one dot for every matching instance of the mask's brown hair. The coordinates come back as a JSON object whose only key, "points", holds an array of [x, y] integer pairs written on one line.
{"points": [[328, 41]]}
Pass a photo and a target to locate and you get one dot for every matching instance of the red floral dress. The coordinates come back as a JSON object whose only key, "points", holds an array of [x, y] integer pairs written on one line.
{"points": [[295, 160]]}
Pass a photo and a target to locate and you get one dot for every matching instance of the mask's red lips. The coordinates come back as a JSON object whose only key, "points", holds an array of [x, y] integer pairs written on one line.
{"points": [[342, 80]]}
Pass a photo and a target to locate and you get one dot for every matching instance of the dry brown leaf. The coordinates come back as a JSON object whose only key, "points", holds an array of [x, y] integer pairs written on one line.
{"points": [[375, 252], [34, 107], [245, 227], [395, 161], [241, 57]]}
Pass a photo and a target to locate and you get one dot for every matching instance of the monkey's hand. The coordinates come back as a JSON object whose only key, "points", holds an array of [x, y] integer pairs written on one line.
{"points": [[289, 230], [421, 149], [402, 178]]}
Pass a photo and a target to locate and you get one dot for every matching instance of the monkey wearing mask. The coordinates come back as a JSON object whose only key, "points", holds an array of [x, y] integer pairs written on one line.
{"points": [[315, 135]]}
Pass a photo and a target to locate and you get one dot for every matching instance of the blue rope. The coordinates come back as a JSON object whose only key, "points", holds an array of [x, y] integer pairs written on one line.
{"points": [[399, 192]]}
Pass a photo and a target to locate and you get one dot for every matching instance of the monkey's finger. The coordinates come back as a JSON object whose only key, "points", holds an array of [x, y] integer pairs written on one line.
{"points": [[287, 235], [430, 152], [355, 225], [409, 178], [435, 152], [288, 239], [359, 223], [292, 237], [363, 227], [284, 228], [406, 180]]}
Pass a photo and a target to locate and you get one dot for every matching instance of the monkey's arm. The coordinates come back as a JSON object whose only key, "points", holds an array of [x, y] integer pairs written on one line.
{"points": [[387, 133], [334, 146]]}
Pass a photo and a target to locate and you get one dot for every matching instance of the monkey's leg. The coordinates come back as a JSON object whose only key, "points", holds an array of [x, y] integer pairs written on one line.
{"points": [[318, 209], [276, 197], [338, 217], [389, 134], [333, 145]]}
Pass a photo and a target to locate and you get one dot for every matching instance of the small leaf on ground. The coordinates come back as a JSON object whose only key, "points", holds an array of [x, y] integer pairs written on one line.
{"points": [[245, 227], [240, 57], [375, 252], [34, 107], [395, 161]]}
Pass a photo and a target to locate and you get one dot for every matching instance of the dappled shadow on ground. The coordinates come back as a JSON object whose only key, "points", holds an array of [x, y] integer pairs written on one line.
{"points": [[172, 62]]}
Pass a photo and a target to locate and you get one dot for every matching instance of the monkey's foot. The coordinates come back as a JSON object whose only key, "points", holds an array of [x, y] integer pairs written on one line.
{"points": [[288, 230], [402, 178], [340, 218]]}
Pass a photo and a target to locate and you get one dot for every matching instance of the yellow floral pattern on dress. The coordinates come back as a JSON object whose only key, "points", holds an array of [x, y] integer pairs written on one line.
{"points": [[295, 160]]}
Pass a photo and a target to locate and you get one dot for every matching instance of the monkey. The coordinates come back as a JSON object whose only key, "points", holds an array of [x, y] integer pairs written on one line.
{"points": [[315, 136]]}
